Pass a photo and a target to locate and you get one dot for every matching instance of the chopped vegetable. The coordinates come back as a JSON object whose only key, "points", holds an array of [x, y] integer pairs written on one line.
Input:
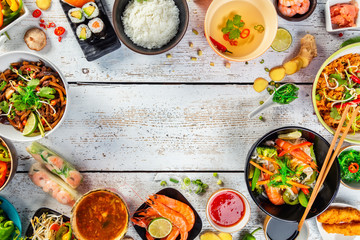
{"points": [[225, 236], [219, 182], [195, 31], [163, 183], [250, 236], [59, 31], [245, 33], [233, 28], [255, 178], [43, 4], [215, 174], [219, 46], [260, 84], [261, 118], [228, 65], [193, 59], [261, 102], [199, 52], [260, 28], [187, 181], [168, 55], [349, 165], [191, 44], [212, 64], [267, 151], [286, 94], [36, 13], [174, 180], [209, 236]]}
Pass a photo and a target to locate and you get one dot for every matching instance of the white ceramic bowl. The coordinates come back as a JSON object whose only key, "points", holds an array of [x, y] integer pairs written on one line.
{"points": [[8, 131], [240, 225], [303, 235], [329, 25], [351, 185]]}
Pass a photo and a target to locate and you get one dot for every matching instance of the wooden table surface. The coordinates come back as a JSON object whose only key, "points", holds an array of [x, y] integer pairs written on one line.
{"points": [[135, 120]]}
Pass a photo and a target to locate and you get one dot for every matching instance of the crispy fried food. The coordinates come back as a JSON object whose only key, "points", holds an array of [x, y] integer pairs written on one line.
{"points": [[347, 229], [339, 215]]}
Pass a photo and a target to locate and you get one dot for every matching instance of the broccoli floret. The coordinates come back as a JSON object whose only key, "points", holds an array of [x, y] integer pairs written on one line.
{"points": [[267, 151]]}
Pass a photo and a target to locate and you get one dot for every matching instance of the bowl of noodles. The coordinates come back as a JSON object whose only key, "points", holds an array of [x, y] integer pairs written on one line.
{"points": [[337, 84], [33, 96]]}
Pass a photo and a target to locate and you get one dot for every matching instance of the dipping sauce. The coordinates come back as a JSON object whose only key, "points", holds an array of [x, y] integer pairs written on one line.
{"points": [[100, 215], [227, 208]]}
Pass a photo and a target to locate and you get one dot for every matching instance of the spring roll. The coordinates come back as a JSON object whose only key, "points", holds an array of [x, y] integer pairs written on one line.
{"points": [[52, 184], [56, 164]]}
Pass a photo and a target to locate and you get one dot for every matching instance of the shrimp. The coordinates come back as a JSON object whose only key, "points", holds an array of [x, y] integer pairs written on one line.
{"points": [[65, 198], [274, 195], [148, 236], [303, 7], [52, 188], [288, 11], [56, 161], [141, 221], [74, 179], [40, 179], [178, 206], [289, 3], [173, 234], [176, 218]]}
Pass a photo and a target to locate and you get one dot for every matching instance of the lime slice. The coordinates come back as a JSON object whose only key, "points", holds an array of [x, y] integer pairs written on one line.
{"points": [[290, 135], [31, 124], [159, 227], [282, 41]]}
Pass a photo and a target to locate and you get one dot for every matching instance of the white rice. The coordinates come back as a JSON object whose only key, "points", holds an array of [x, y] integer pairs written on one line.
{"points": [[152, 23]]}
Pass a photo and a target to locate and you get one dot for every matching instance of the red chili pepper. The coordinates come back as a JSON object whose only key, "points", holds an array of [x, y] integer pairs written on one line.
{"points": [[55, 227], [42, 25], [355, 78], [1, 16], [226, 37], [219, 46], [59, 39], [293, 147], [245, 33], [51, 25], [59, 31], [305, 190], [3, 169], [36, 13], [353, 102], [42, 20], [341, 34], [353, 167]]}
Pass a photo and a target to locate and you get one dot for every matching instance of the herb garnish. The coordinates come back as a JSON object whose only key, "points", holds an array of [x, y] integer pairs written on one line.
{"points": [[334, 114], [286, 94], [233, 27]]}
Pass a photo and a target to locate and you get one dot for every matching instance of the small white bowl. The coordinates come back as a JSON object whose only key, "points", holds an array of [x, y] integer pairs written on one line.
{"points": [[8, 131], [20, 18], [351, 185], [240, 225], [329, 25]]}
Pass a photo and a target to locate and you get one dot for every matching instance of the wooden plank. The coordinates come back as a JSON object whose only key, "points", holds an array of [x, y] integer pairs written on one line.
{"points": [[168, 127], [144, 184], [126, 66]]}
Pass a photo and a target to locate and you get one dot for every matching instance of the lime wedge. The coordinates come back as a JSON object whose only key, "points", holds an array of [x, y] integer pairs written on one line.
{"points": [[31, 124], [282, 41], [159, 227], [290, 135]]}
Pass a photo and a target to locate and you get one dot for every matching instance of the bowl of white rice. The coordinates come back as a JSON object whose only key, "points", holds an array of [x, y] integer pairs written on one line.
{"points": [[150, 27]]}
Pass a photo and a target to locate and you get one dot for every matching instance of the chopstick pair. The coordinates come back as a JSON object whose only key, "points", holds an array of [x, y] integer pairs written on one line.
{"points": [[330, 157]]}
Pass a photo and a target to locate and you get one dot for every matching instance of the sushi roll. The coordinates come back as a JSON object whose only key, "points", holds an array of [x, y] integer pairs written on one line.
{"points": [[97, 26], [90, 10], [83, 32], [76, 15]]}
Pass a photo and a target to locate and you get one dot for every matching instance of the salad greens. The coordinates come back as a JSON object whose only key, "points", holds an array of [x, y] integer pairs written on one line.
{"points": [[286, 94], [349, 165]]}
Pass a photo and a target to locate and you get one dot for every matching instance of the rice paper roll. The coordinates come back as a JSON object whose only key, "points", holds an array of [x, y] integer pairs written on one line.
{"points": [[53, 185], [56, 164]]}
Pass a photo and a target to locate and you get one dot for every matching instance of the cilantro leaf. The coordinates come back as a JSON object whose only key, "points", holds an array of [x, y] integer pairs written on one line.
{"points": [[237, 21], [229, 26], [335, 114], [338, 79], [47, 92], [234, 34], [18, 103], [4, 106], [33, 83], [2, 85]]}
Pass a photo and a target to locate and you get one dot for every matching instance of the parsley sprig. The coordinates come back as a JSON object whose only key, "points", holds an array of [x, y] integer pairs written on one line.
{"points": [[233, 27]]}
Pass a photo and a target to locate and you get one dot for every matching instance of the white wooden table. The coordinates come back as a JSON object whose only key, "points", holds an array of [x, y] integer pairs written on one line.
{"points": [[135, 120]]}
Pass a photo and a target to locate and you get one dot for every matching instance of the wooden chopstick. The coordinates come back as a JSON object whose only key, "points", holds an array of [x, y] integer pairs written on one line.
{"points": [[330, 157]]}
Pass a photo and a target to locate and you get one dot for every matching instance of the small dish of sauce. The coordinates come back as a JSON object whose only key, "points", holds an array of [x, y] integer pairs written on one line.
{"points": [[228, 210]]}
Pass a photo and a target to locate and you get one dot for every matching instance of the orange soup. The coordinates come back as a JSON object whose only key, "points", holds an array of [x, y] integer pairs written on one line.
{"points": [[101, 215]]}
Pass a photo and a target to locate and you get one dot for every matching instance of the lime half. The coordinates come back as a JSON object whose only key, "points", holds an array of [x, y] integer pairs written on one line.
{"points": [[31, 124], [282, 41], [159, 227], [290, 135]]}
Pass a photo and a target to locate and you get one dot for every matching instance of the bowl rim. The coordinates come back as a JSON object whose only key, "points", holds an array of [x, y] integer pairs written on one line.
{"points": [[313, 92], [342, 150], [62, 78], [152, 51], [18, 219], [302, 17], [72, 215], [261, 139], [13, 166], [247, 204], [225, 56]]}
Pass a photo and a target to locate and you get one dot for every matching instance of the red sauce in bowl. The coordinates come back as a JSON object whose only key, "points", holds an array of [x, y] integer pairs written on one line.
{"points": [[227, 208]]}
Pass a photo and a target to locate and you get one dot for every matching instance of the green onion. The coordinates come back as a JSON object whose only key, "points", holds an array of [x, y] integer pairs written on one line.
{"points": [[163, 183], [174, 180], [187, 181], [215, 174], [219, 182]]}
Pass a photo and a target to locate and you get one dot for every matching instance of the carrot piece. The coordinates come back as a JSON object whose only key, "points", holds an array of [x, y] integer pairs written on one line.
{"points": [[261, 168], [294, 189], [269, 159], [262, 182], [298, 184]]}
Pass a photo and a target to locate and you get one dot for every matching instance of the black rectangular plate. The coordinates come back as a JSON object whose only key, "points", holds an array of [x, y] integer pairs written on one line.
{"points": [[175, 194], [96, 47], [38, 213]]}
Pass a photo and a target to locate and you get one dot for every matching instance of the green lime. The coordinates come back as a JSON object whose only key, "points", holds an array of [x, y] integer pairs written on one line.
{"points": [[31, 124], [282, 41], [290, 135], [159, 227]]}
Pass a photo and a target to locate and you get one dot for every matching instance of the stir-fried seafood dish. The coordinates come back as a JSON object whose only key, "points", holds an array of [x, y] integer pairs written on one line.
{"points": [[32, 97], [339, 86], [180, 216], [284, 170]]}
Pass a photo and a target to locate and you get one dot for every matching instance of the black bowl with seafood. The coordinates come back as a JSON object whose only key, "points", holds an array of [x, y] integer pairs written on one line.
{"points": [[296, 17], [33, 96], [293, 213]]}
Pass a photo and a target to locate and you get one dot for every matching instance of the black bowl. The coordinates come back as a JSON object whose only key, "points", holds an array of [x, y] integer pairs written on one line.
{"points": [[293, 213], [297, 17], [118, 9]]}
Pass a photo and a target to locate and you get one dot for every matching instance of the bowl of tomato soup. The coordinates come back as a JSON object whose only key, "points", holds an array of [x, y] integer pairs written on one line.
{"points": [[100, 214], [227, 210]]}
